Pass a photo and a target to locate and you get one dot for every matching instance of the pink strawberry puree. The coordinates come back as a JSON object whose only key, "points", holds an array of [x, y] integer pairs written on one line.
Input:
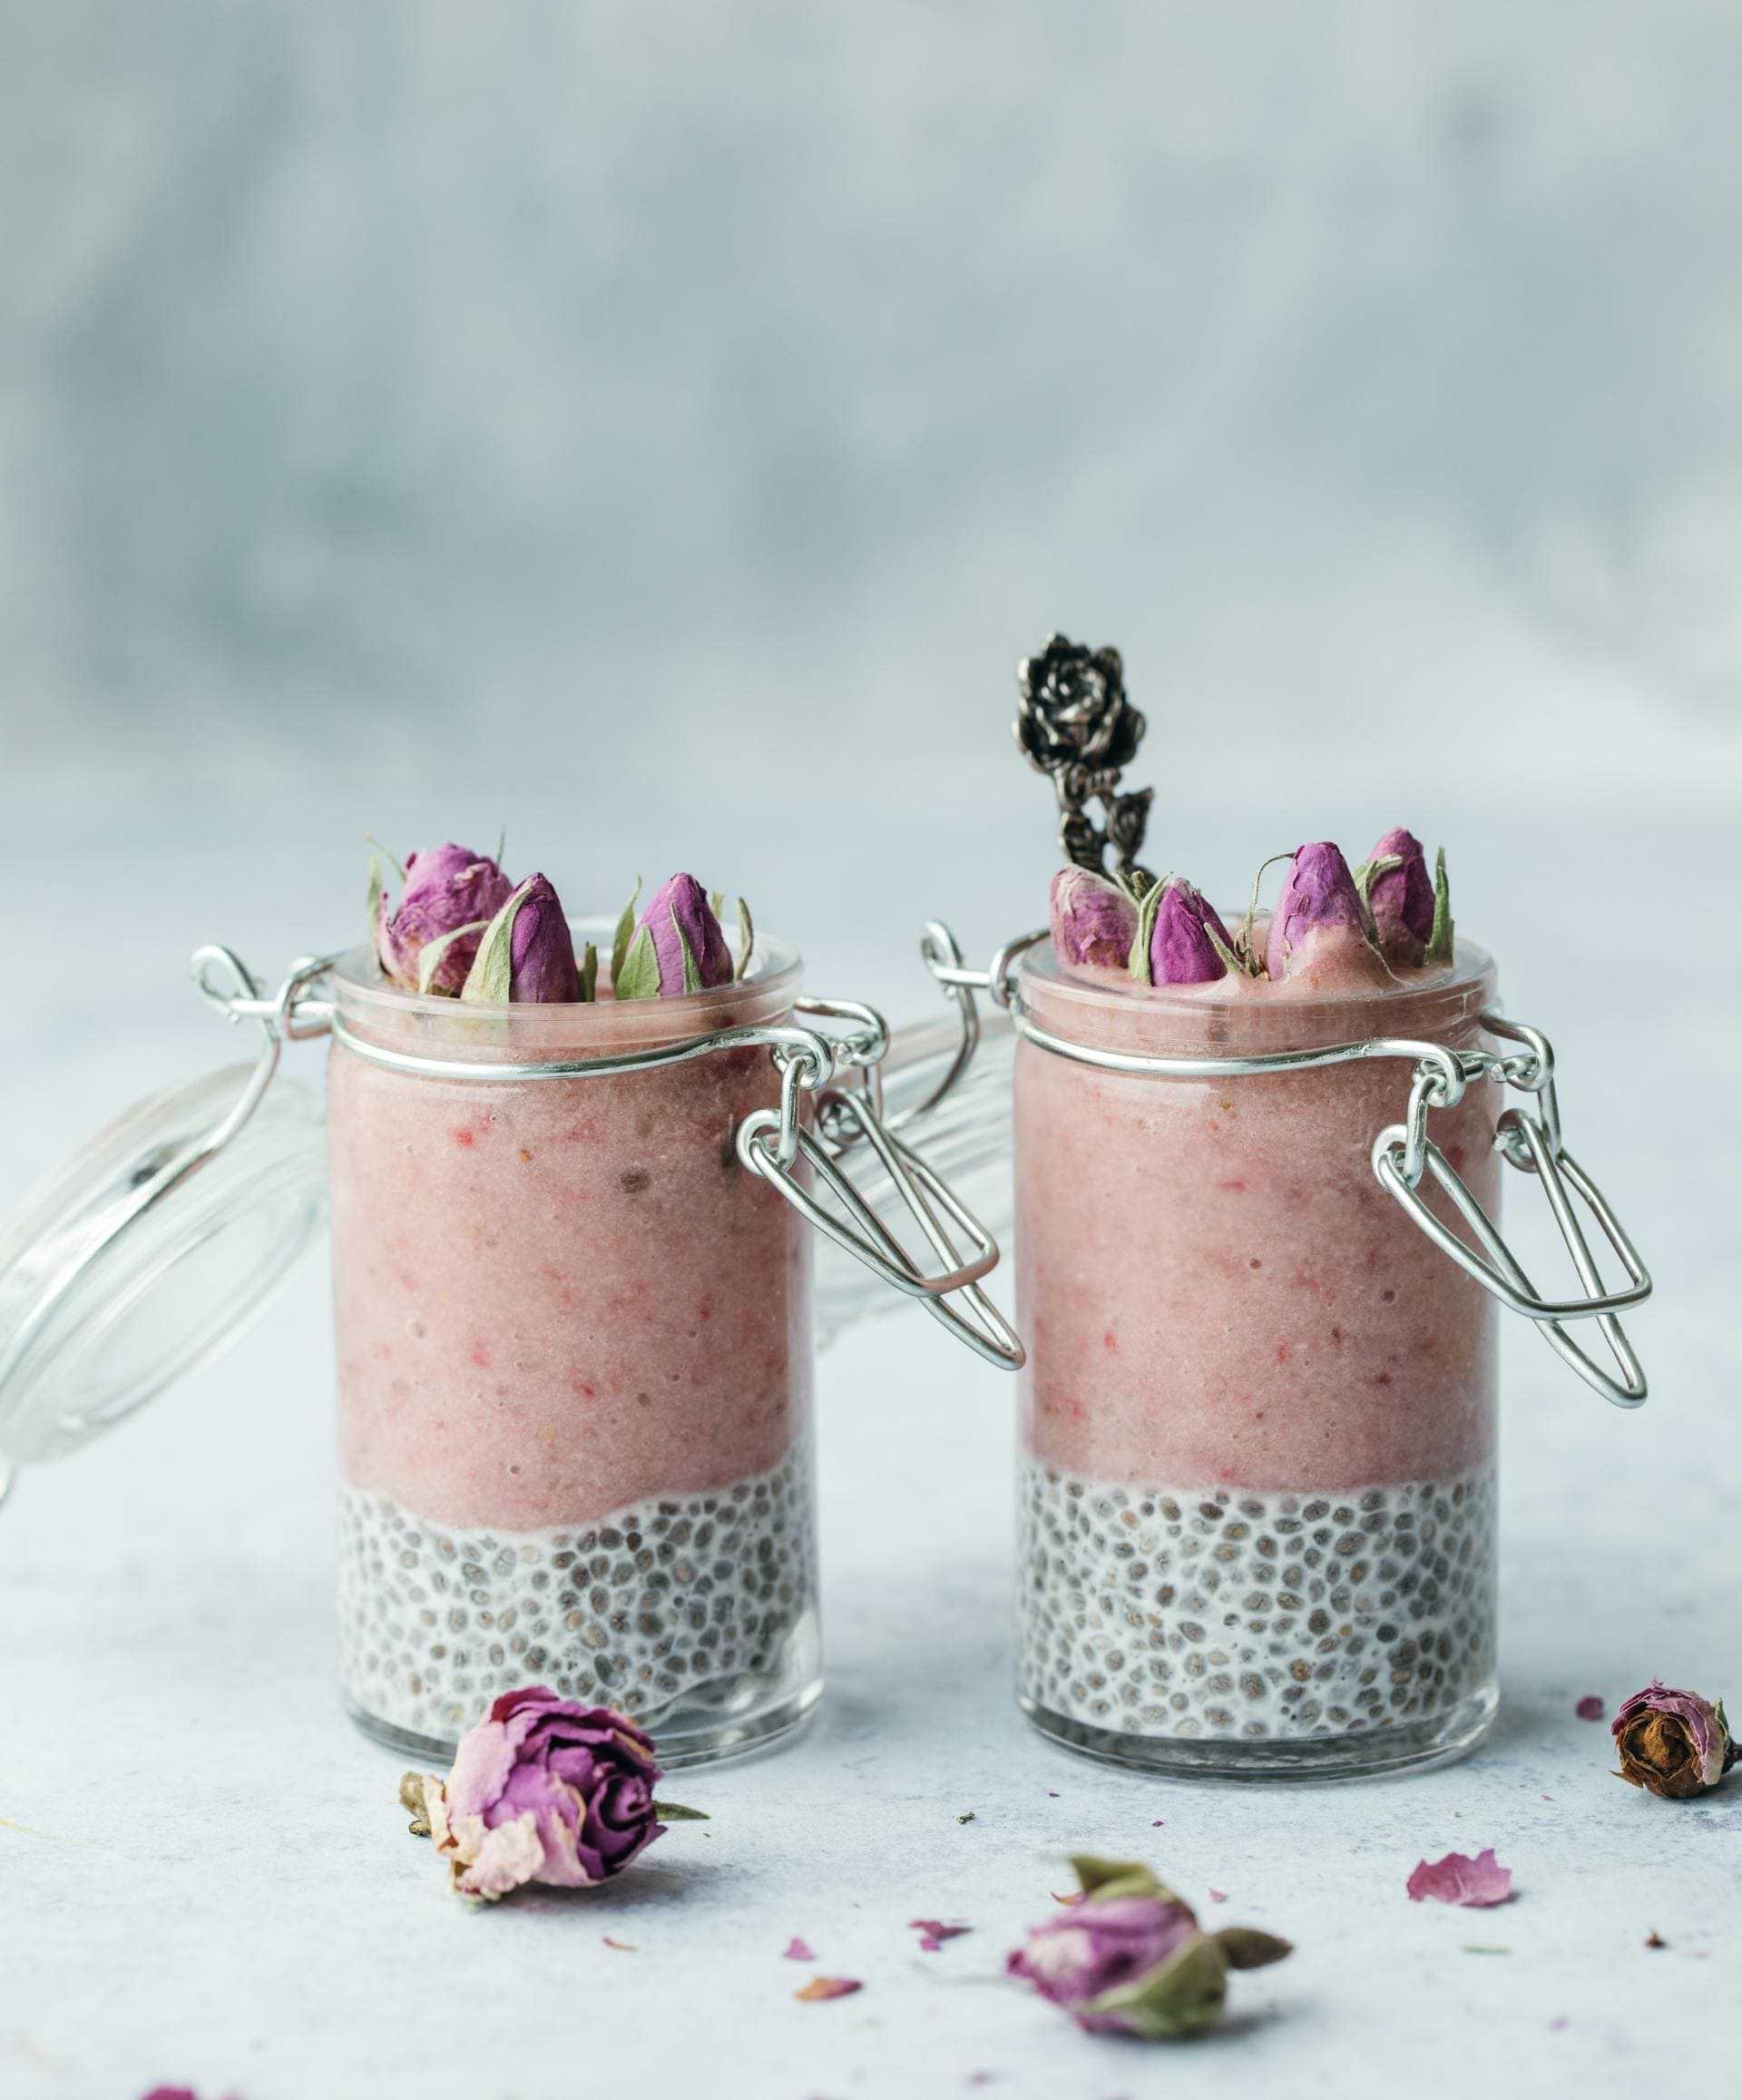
{"points": [[1214, 1287], [555, 1298]]}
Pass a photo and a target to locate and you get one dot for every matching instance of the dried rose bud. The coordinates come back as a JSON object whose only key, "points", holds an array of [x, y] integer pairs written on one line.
{"points": [[1094, 921], [1188, 944], [1672, 1744], [451, 894], [527, 953], [1398, 892], [543, 1790], [1319, 908], [1131, 1959], [678, 948]]}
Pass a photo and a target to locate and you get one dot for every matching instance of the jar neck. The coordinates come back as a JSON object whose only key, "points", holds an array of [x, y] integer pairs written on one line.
{"points": [[374, 1011], [1242, 1018]]}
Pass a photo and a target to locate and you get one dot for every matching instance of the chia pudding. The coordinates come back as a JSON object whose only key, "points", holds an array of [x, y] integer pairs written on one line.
{"points": [[573, 1339], [1256, 1499]]}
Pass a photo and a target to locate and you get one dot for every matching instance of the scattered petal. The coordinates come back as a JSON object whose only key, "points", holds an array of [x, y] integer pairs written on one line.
{"points": [[1477, 1883], [1655, 1939], [1560, 2024], [1157, 1824], [1590, 1708], [1071, 1900], [827, 1986], [1219, 1895], [932, 1932], [1052, 1795], [797, 1949], [621, 1946]]}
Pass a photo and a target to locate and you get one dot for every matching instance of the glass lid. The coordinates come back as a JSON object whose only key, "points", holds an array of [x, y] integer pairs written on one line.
{"points": [[149, 1250]]}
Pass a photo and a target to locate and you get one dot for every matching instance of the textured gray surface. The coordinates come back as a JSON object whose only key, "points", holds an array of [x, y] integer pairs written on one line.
{"points": [[212, 1881]]}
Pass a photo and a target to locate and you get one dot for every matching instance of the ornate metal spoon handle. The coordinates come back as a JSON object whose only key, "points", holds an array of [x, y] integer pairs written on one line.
{"points": [[1075, 724]]}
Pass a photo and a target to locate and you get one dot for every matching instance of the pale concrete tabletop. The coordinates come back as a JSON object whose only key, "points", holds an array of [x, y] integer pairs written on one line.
{"points": [[207, 1880]]}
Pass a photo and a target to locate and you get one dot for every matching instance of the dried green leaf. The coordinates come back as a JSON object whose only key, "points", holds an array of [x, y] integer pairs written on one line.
{"points": [[675, 1813], [590, 972], [1247, 1947], [624, 934], [1140, 965], [1441, 942], [1181, 1996], [639, 977], [745, 940], [398, 865], [378, 891]]}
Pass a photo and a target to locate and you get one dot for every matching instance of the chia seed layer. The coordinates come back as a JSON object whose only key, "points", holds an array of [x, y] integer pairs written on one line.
{"points": [[673, 1599], [1172, 1612]]}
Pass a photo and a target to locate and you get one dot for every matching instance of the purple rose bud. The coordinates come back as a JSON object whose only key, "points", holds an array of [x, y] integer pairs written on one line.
{"points": [[450, 894], [543, 1790], [678, 948], [1319, 906], [1181, 948], [1099, 1947], [541, 947], [1094, 921], [1672, 1744], [1131, 1959], [527, 953], [1399, 893]]}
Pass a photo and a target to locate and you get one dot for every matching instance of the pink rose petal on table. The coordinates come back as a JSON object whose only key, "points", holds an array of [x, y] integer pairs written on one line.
{"points": [[797, 1949], [1478, 1884], [827, 1986], [1219, 1895], [932, 1932], [621, 1946], [1070, 1901], [1590, 1708]]}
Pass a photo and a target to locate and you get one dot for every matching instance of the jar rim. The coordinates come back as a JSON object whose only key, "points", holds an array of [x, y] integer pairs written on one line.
{"points": [[371, 1005], [1112, 1012]]}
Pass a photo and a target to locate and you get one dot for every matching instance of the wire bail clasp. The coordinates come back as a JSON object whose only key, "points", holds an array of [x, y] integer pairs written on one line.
{"points": [[1404, 1154], [779, 1143]]}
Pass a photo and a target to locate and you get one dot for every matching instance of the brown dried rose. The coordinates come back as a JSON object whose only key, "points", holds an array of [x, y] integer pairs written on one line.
{"points": [[1674, 1744]]}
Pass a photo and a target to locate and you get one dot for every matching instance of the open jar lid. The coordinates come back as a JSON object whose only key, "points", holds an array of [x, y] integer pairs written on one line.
{"points": [[149, 1250]]}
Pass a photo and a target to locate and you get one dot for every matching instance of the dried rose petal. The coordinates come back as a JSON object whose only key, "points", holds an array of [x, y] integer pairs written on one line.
{"points": [[1477, 1884], [1219, 1895], [621, 1946], [827, 1986], [934, 1932], [1590, 1708], [797, 1949], [1071, 1900]]}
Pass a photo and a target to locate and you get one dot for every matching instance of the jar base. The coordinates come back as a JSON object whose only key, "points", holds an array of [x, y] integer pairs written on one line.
{"points": [[1361, 1753]]}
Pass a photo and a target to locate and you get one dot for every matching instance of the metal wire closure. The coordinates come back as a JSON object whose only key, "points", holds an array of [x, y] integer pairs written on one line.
{"points": [[787, 1146], [1404, 1154]]}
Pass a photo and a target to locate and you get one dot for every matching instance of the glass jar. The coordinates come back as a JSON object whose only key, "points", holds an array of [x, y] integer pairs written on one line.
{"points": [[572, 1314], [1255, 1511], [1256, 1499], [575, 1369]]}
